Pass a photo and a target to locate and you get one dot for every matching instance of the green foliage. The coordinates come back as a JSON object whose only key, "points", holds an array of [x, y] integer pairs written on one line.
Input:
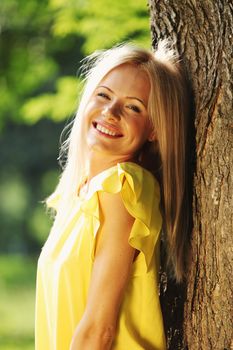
{"points": [[41, 43], [14, 197], [103, 23], [56, 105], [17, 290], [25, 66], [13, 273], [28, 175]]}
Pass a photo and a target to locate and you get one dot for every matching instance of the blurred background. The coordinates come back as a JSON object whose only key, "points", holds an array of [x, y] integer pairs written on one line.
{"points": [[41, 44]]}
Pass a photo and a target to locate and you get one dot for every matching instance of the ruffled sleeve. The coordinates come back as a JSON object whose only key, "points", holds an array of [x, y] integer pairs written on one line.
{"points": [[141, 196]]}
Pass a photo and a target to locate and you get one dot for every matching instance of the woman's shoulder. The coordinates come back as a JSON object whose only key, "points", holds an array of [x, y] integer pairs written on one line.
{"points": [[137, 178], [139, 174]]}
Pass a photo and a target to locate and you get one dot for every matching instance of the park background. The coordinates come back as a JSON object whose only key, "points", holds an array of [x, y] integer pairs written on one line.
{"points": [[41, 45]]}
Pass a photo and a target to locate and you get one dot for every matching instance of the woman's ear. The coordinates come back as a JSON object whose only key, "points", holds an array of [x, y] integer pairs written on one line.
{"points": [[152, 136]]}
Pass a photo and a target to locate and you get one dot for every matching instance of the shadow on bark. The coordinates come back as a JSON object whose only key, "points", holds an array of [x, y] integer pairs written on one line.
{"points": [[172, 298]]}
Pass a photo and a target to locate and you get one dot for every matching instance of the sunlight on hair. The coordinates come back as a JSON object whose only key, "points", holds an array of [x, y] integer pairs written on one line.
{"points": [[166, 52]]}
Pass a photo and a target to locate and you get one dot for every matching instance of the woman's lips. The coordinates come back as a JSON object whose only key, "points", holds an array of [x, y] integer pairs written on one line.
{"points": [[106, 129]]}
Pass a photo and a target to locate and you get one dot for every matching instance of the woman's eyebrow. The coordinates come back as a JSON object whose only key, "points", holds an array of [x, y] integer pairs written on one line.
{"points": [[136, 98], [129, 97]]}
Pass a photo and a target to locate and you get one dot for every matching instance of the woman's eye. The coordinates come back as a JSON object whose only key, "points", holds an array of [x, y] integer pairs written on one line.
{"points": [[134, 108], [103, 95]]}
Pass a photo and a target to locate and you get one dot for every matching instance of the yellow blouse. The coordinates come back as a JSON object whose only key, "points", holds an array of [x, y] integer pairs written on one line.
{"points": [[66, 261]]}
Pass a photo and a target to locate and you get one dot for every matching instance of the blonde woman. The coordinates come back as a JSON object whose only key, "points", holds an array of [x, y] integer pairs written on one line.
{"points": [[97, 280]]}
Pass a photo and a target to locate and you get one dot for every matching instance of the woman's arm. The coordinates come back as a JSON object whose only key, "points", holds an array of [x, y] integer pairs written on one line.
{"points": [[111, 270]]}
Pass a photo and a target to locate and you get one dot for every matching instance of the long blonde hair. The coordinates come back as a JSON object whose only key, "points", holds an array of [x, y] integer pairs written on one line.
{"points": [[167, 109]]}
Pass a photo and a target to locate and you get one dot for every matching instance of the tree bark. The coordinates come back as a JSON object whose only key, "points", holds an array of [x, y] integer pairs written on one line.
{"points": [[203, 33]]}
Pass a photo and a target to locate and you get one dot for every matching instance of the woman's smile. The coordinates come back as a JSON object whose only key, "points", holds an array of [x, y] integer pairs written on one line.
{"points": [[105, 129]]}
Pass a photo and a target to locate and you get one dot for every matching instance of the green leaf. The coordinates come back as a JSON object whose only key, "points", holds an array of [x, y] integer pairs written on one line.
{"points": [[57, 106]]}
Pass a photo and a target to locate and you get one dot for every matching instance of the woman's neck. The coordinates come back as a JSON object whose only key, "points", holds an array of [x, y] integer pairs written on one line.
{"points": [[99, 163]]}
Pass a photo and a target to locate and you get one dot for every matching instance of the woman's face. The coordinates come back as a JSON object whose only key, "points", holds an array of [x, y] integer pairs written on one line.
{"points": [[116, 120]]}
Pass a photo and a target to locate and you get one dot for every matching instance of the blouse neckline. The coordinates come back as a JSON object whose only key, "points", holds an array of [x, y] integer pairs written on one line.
{"points": [[83, 194]]}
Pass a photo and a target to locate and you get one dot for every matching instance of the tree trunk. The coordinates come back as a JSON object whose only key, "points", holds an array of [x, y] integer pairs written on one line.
{"points": [[203, 32]]}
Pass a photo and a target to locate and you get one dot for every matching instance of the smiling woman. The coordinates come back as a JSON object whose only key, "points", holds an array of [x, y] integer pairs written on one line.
{"points": [[97, 279]]}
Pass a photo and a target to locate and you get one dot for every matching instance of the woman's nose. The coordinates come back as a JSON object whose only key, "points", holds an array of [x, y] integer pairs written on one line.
{"points": [[112, 111]]}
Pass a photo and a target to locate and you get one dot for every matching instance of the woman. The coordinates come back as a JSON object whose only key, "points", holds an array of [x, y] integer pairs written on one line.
{"points": [[97, 281]]}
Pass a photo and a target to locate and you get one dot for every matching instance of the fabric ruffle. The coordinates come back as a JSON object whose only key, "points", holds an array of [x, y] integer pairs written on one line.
{"points": [[141, 196]]}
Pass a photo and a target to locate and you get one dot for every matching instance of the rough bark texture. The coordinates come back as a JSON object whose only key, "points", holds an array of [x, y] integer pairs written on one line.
{"points": [[203, 32]]}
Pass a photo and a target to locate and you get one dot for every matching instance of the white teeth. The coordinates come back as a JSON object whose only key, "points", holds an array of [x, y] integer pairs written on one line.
{"points": [[105, 131]]}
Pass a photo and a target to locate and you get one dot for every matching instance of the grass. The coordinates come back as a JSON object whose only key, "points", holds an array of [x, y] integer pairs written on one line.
{"points": [[17, 290]]}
